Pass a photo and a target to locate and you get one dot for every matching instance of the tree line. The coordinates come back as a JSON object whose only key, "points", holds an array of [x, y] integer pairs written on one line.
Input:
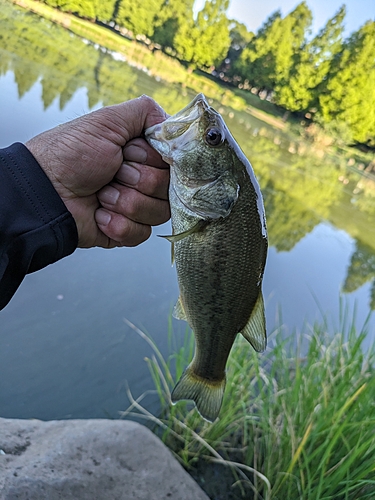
{"points": [[325, 78]]}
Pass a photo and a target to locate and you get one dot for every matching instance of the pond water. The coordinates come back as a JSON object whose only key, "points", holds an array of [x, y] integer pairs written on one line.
{"points": [[65, 350]]}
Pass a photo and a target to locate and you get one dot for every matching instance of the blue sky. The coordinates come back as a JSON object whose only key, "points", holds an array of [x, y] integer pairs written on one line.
{"points": [[254, 12]]}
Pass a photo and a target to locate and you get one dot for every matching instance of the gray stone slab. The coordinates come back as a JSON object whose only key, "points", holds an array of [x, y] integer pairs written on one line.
{"points": [[88, 460]]}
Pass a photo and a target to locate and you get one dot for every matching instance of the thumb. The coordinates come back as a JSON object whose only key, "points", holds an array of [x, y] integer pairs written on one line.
{"points": [[128, 119]]}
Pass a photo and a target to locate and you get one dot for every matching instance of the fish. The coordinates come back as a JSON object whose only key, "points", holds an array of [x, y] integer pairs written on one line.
{"points": [[219, 245]]}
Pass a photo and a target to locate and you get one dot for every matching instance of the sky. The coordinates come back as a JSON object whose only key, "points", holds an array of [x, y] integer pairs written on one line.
{"points": [[254, 12]]}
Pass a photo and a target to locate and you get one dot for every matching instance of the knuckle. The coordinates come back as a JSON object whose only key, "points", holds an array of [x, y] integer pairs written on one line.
{"points": [[142, 208], [156, 183], [165, 213], [147, 100], [128, 233], [151, 182], [132, 205], [135, 235]]}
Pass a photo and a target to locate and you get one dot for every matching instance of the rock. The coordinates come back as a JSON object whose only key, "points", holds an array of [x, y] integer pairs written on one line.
{"points": [[88, 460]]}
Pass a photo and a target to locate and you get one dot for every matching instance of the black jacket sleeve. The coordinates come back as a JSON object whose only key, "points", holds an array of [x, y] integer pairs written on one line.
{"points": [[36, 229]]}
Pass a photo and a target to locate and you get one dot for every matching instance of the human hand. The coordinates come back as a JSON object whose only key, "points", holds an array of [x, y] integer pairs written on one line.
{"points": [[112, 182]]}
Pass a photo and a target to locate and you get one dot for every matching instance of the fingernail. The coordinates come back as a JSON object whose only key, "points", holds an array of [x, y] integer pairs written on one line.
{"points": [[102, 217], [135, 153], [109, 195], [128, 175]]}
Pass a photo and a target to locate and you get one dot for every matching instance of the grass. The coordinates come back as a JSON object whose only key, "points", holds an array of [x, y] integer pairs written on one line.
{"points": [[297, 422]]}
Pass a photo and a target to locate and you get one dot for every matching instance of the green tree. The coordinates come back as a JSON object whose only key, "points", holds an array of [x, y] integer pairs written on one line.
{"points": [[257, 66], [240, 37], [56, 3], [42, 51], [361, 270], [172, 16], [82, 8], [5, 57], [139, 17], [105, 10], [267, 61], [348, 95], [288, 220], [205, 42], [25, 75], [91, 9], [311, 66]]}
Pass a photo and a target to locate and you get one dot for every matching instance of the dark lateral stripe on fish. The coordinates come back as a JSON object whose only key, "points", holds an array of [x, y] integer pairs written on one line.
{"points": [[206, 395]]}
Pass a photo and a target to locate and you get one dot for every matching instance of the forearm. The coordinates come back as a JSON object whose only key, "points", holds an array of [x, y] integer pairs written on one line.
{"points": [[36, 229]]}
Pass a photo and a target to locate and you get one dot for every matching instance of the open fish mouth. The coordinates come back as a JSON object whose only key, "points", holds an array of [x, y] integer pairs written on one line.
{"points": [[192, 111], [179, 132]]}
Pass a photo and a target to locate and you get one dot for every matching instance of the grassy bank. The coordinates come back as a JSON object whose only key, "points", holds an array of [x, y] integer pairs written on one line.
{"points": [[297, 422]]}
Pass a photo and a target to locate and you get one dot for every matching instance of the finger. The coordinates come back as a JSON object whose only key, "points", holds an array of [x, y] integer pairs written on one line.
{"points": [[139, 151], [150, 181], [134, 205], [130, 118], [120, 230]]}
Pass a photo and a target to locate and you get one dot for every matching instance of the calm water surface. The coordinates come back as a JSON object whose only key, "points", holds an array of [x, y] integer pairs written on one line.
{"points": [[65, 351]]}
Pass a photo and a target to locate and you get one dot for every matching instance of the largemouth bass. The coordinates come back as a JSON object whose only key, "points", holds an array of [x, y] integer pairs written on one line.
{"points": [[219, 244]]}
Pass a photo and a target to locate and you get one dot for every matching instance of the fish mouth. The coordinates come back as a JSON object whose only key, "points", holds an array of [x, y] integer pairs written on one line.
{"points": [[196, 107], [164, 137]]}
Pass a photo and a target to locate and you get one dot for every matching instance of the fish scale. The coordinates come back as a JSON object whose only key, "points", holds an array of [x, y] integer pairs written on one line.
{"points": [[219, 245]]}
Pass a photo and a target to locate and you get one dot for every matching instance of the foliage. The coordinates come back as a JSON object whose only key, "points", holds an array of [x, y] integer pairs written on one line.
{"points": [[267, 61], [296, 422], [139, 17], [288, 220], [349, 92], [330, 79], [205, 42], [105, 11], [311, 67], [171, 18], [240, 37], [361, 270]]}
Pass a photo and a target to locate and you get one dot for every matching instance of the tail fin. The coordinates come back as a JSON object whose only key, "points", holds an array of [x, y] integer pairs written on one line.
{"points": [[207, 395]]}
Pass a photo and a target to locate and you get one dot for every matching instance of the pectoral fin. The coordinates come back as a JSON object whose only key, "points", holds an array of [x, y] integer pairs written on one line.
{"points": [[198, 226], [215, 199], [172, 254], [255, 329]]}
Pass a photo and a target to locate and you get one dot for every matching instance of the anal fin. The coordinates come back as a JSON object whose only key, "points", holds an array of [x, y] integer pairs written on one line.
{"points": [[255, 329], [178, 311]]}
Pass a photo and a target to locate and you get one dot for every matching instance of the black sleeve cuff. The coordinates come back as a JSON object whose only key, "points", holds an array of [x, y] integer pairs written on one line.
{"points": [[36, 229]]}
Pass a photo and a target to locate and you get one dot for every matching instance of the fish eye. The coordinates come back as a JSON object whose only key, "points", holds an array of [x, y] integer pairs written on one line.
{"points": [[213, 137]]}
